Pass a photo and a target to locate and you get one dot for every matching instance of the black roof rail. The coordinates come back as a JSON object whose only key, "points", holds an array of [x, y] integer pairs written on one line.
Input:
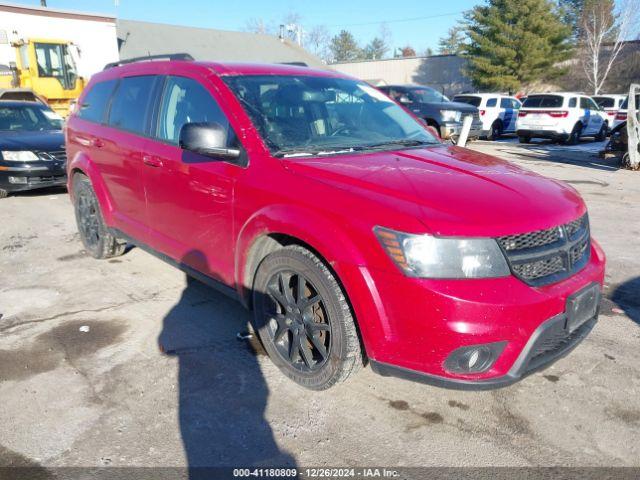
{"points": [[294, 64], [166, 56]]}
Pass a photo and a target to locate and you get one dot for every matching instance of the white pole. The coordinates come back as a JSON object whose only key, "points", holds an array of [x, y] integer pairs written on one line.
{"points": [[464, 133], [633, 127]]}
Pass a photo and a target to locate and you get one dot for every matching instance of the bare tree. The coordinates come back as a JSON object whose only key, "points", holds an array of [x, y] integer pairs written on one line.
{"points": [[258, 25], [604, 28], [317, 41]]}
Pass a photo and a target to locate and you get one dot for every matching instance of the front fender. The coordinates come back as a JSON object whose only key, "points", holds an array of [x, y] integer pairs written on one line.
{"points": [[83, 164], [334, 243]]}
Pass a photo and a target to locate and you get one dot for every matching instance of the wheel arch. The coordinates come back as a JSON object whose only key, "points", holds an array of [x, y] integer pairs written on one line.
{"points": [[82, 164]]}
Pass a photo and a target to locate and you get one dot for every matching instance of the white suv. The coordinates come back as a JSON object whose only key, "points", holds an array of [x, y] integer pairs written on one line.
{"points": [[561, 116], [498, 113], [610, 103]]}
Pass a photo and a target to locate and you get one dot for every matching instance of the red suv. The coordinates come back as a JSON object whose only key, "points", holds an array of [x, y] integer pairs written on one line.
{"points": [[352, 233]]}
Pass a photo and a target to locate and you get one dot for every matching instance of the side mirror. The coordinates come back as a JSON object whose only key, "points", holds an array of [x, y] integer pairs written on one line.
{"points": [[208, 139]]}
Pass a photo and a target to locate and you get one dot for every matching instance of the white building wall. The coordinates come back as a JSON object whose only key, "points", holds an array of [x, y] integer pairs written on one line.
{"points": [[96, 39]]}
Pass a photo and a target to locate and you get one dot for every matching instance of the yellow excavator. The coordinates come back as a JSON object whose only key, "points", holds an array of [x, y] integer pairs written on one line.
{"points": [[42, 70]]}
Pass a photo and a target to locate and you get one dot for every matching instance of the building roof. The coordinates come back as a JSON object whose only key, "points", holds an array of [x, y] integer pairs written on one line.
{"points": [[54, 12], [138, 39]]}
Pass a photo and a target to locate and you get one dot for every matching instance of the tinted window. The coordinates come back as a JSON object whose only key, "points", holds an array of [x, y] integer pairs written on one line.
{"points": [[95, 101], [515, 103], [131, 103], [585, 103], [605, 102], [475, 101], [543, 101], [29, 118], [492, 102], [426, 95], [505, 103], [573, 102], [186, 101]]}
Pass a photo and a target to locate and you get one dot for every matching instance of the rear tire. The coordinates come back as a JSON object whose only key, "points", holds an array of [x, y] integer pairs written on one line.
{"points": [[304, 320], [94, 233], [496, 131], [574, 136]]}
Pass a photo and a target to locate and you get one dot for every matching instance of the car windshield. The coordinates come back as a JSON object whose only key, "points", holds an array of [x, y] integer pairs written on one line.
{"points": [[426, 95], [28, 117], [475, 101], [307, 115], [543, 101]]}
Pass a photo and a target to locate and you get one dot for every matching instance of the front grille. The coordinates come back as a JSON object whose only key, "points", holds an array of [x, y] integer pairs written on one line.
{"points": [[548, 256], [59, 155]]}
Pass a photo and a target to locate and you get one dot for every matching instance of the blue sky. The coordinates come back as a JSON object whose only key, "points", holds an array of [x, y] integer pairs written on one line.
{"points": [[362, 18]]}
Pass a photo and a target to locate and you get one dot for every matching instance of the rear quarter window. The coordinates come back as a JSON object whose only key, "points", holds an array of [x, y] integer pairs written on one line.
{"points": [[492, 102], [543, 101], [95, 101]]}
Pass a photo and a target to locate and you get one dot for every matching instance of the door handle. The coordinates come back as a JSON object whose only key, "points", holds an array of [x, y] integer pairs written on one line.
{"points": [[152, 161]]}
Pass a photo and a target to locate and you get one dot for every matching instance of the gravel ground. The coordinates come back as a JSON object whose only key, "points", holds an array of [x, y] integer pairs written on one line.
{"points": [[127, 363]]}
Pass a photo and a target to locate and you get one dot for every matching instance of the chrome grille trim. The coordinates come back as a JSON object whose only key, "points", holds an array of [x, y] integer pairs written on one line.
{"points": [[547, 256], [59, 155]]}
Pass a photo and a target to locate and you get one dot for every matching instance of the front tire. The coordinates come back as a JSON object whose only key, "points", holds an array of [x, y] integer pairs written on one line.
{"points": [[304, 320], [93, 232], [602, 134]]}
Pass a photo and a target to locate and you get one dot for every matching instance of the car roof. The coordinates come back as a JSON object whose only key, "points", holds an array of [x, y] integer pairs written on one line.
{"points": [[221, 68], [484, 95], [609, 95], [22, 103]]}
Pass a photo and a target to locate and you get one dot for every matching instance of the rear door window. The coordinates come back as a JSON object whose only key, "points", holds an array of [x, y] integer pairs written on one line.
{"points": [[505, 103], [543, 101], [131, 103], [186, 101], [573, 102], [585, 104], [492, 102], [95, 101]]}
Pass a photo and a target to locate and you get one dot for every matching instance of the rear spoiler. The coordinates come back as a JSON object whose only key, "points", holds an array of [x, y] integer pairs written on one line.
{"points": [[168, 56]]}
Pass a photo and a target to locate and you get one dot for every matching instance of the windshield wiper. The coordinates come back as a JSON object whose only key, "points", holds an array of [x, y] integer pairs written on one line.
{"points": [[394, 143]]}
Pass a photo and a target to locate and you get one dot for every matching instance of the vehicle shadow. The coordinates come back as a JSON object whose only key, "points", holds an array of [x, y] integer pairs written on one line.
{"points": [[627, 297], [222, 392], [546, 150]]}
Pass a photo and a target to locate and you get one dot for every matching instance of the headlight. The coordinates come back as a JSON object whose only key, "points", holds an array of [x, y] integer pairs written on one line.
{"points": [[427, 256], [450, 115], [19, 156]]}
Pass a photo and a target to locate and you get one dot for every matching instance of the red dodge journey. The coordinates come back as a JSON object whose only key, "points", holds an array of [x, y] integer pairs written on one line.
{"points": [[353, 233]]}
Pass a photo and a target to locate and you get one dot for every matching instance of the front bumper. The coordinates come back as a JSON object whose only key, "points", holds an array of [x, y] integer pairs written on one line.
{"points": [[452, 130], [17, 177], [412, 325]]}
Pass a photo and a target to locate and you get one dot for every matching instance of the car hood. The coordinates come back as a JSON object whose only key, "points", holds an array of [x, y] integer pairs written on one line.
{"points": [[458, 106], [457, 191], [46, 140]]}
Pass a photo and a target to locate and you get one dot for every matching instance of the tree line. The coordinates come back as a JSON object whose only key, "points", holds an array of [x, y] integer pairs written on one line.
{"points": [[509, 43]]}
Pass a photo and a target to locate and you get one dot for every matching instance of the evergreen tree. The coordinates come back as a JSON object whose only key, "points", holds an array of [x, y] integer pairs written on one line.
{"points": [[571, 11], [345, 48], [513, 42], [375, 49], [454, 42]]}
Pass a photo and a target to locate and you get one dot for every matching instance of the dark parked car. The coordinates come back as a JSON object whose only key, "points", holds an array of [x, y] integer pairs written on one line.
{"points": [[32, 151], [436, 109]]}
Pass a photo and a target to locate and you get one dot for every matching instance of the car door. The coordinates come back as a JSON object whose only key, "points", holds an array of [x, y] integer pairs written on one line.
{"points": [[597, 116], [588, 117], [190, 196], [122, 144], [507, 114]]}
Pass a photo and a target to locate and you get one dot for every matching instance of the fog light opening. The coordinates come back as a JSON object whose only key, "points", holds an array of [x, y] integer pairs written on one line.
{"points": [[474, 358]]}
